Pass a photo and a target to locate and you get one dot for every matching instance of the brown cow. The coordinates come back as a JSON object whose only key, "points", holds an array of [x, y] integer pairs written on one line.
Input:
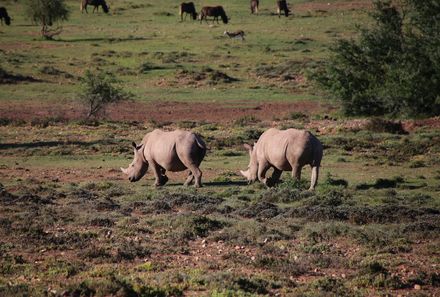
{"points": [[214, 11], [282, 6]]}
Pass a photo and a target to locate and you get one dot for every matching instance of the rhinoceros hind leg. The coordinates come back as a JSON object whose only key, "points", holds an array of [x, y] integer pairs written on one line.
{"points": [[189, 179], [197, 174]]}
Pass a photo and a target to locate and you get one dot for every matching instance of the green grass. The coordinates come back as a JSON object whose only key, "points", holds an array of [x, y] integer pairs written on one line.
{"points": [[137, 35]]}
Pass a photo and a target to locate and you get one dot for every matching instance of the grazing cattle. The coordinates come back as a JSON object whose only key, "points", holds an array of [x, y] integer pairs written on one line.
{"points": [[282, 6], [187, 8], [4, 15], [290, 149], [95, 4], [237, 34], [174, 151], [214, 11], [254, 6]]}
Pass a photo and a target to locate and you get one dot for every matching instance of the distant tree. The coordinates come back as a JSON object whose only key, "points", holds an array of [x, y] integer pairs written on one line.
{"points": [[393, 68], [99, 90], [46, 13]]}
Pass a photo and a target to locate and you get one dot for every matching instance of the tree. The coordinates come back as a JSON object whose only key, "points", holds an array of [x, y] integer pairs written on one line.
{"points": [[46, 13], [393, 68], [99, 90]]}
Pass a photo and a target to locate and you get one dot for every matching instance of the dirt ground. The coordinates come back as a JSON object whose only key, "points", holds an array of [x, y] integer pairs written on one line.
{"points": [[333, 6], [165, 111]]}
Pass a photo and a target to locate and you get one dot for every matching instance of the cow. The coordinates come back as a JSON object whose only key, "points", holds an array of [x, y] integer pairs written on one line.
{"points": [[282, 6], [187, 8], [95, 4], [254, 6], [237, 34], [283, 150], [4, 15], [214, 11], [173, 151]]}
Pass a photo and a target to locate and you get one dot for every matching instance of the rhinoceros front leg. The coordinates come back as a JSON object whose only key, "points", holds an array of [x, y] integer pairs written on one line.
{"points": [[263, 167], [296, 172], [276, 175], [159, 174]]}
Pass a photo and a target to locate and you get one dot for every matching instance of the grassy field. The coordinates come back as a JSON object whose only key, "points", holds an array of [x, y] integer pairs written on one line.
{"points": [[72, 225], [147, 46]]}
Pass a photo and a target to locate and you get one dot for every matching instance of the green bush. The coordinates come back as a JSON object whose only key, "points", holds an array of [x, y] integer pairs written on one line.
{"points": [[393, 68], [46, 13], [99, 90]]}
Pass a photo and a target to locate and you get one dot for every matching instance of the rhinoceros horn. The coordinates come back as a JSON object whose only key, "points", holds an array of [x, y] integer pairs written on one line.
{"points": [[124, 170]]}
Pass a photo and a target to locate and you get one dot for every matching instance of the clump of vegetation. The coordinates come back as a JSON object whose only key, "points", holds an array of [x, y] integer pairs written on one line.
{"points": [[206, 74], [384, 126], [147, 67], [100, 90], [46, 13], [393, 67]]}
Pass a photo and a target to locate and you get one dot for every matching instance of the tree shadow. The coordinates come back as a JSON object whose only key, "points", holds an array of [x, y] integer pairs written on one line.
{"points": [[107, 39], [5, 146]]}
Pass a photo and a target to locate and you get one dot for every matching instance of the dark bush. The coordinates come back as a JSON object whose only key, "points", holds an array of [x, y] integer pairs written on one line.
{"points": [[393, 68], [385, 126]]}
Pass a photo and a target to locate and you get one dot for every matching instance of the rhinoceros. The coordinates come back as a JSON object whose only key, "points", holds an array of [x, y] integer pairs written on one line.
{"points": [[283, 150], [173, 151]]}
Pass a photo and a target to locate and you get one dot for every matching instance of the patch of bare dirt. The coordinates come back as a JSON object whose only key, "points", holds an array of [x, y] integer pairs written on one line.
{"points": [[165, 111], [327, 6]]}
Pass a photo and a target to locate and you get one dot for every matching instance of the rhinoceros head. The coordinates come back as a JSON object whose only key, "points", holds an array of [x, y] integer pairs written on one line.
{"points": [[139, 166], [251, 172]]}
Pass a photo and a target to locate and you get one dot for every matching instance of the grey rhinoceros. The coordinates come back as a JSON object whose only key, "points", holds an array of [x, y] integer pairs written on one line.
{"points": [[283, 150], [173, 151]]}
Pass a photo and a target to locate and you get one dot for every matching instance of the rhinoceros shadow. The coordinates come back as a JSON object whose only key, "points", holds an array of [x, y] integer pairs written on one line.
{"points": [[212, 184]]}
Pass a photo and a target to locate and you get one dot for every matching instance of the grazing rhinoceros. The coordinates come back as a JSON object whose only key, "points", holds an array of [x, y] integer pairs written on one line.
{"points": [[283, 150], [174, 151]]}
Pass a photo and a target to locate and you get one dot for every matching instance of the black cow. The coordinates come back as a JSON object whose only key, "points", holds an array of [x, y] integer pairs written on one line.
{"points": [[95, 4], [282, 5], [187, 8], [4, 15], [214, 11]]}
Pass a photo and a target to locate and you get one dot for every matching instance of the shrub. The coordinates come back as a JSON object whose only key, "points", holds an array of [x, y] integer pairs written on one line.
{"points": [[47, 12], [99, 91], [393, 68], [381, 125]]}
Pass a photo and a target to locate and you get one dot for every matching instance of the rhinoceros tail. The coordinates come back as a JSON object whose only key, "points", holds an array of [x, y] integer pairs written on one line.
{"points": [[201, 144], [317, 153]]}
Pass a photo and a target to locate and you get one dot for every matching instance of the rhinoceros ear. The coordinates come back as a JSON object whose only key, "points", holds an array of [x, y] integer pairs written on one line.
{"points": [[248, 147], [134, 144]]}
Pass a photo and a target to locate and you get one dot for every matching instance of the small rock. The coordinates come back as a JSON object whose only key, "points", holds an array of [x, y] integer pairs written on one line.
{"points": [[417, 287]]}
